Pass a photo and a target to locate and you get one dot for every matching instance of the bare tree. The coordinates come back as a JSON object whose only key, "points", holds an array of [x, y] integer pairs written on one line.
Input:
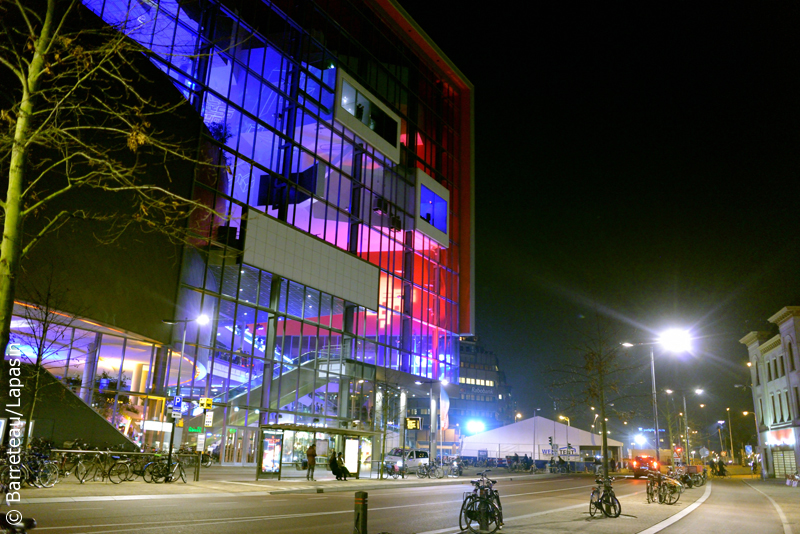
{"points": [[597, 377], [43, 336], [79, 116]]}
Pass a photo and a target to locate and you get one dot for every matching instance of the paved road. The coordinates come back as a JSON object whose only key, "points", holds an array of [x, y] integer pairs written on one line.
{"points": [[531, 504]]}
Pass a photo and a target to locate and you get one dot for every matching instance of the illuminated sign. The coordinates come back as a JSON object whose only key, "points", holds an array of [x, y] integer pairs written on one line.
{"points": [[413, 423], [196, 429], [784, 436]]}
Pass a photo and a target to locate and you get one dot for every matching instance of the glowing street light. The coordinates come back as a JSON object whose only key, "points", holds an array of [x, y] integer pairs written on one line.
{"points": [[673, 340]]}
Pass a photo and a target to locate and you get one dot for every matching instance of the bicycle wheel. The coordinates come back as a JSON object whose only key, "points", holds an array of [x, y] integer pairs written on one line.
{"points": [[149, 471], [48, 474], [487, 521], [673, 494], [439, 472], [466, 513], [181, 473], [85, 472], [594, 502], [611, 506], [422, 472], [651, 492], [118, 472]]}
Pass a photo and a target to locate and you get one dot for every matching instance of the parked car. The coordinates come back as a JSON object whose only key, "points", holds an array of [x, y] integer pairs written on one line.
{"points": [[641, 466], [413, 457]]}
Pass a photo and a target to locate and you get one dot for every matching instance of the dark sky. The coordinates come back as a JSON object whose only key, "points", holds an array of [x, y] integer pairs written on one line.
{"points": [[641, 159]]}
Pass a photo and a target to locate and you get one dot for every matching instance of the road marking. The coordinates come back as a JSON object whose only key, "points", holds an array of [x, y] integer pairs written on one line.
{"points": [[787, 528], [680, 515], [78, 509], [246, 484]]}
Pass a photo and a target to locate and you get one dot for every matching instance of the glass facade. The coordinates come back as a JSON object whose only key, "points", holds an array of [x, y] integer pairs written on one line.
{"points": [[263, 77]]}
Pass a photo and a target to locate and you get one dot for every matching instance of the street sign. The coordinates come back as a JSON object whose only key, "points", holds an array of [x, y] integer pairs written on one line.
{"points": [[209, 420], [206, 403], [177, 404], [169, 410], [201, 442], [176, 415], [412, 423]]}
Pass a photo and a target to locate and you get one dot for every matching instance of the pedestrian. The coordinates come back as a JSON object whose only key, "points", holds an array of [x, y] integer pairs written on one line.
{"points": [[333, 463], [311, 454], [342, 468]]}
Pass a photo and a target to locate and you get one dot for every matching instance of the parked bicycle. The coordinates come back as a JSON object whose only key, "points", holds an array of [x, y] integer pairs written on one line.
{"points": [[603, 499], [481, 511], [663, 489], [395, 471], [430, 470]]}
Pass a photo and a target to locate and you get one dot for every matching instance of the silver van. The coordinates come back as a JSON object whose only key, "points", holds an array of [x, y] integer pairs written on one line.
{"points": [[413, 458]]}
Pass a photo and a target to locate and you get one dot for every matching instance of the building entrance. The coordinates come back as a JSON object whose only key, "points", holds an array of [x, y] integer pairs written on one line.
{"points": [[239, 446]]}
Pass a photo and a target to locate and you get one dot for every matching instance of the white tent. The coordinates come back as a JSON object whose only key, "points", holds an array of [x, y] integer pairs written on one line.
{"points": [[519, 438]]}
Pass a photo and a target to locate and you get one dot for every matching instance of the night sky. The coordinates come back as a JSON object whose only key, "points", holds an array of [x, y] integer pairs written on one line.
{"points": [[640, 159]]}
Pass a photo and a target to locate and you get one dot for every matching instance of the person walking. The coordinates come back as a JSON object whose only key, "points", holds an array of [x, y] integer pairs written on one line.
{"points": [[311, 454]]}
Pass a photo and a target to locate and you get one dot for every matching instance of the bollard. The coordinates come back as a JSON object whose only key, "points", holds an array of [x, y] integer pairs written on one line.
{"points": [[361, 513], [197, 468]]}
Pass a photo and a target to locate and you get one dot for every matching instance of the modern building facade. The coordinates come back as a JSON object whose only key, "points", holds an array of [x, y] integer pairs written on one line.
{"points": [[338, 269], [775, 378]]}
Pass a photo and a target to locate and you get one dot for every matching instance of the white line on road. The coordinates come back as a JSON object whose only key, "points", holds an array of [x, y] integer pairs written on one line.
{"points": [[658, 527], [787, 528]]}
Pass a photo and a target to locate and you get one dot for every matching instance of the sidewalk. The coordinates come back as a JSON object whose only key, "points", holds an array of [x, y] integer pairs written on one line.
{"points": [[231, 481]]}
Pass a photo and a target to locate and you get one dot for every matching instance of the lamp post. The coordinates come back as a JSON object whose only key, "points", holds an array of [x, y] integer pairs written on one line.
{"points": [[730, 430], [565, 418], [758, 437], [201, 320], [761, 445], [697, 391], [719, 431], [535, 448], [435, 410]]}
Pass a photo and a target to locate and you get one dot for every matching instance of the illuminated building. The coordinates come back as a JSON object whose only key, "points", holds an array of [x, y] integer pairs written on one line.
{"points": [[341, 270], [775, 379]]}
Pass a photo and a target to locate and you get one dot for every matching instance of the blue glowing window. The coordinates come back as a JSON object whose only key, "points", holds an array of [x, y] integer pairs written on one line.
{"points": [[433, 209]]}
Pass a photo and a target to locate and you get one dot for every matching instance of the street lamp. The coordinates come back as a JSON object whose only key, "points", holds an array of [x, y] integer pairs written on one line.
{"points": [[517, 416], [758, 432], [201, 320], [565, 418], [719, 431], [730, 430], [697, 391], [433, 441], [673, 340], [535, 448]]}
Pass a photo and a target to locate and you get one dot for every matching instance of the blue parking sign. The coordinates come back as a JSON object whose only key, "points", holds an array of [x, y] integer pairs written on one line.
{"points": [[177, 404]]}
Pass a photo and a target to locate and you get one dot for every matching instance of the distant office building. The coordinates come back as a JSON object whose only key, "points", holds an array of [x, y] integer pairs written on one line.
{"points": [[480, 400], [338, 269], [775, 379]]}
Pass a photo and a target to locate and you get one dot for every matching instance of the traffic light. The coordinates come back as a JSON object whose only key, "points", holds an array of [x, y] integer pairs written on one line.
{"points": [[550, 439], [569, 446]]}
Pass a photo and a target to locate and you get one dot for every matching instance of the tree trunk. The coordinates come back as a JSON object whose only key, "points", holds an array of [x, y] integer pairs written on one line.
{"points": [[11, 247]]}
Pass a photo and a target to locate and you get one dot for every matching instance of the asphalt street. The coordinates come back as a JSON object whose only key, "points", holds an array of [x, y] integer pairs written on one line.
{"points": [[550, 504]]}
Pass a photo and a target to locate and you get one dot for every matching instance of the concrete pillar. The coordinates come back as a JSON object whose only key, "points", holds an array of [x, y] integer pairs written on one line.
{"points": [[90, 369]]}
